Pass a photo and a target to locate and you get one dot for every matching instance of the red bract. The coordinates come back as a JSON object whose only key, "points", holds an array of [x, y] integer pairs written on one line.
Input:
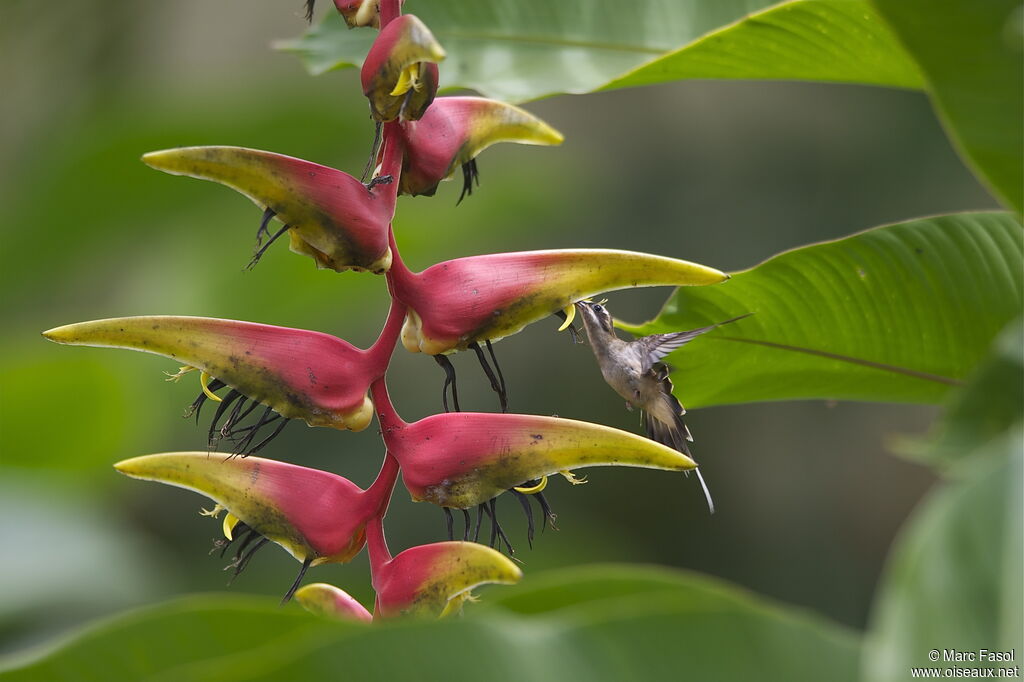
{"points": [[454, 130], [434, 579], [484, 298], [318, 517], [330, 216]]}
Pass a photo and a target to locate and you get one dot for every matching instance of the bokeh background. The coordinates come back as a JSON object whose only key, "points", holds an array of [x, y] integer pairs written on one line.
{"points": [[724, 173]]}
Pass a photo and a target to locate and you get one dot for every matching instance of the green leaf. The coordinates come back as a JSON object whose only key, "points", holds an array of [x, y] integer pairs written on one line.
{"points": [[898, 313], [840, 41], [524, 50], [620, 623], [955, 577], [971, 56], [988, 406]]}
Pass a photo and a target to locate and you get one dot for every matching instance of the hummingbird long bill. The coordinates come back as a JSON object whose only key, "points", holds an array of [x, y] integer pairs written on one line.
{"points": [[633, 369]]}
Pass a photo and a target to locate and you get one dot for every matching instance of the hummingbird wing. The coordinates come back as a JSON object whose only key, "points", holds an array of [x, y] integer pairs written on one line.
{"points": [[657, 346]]}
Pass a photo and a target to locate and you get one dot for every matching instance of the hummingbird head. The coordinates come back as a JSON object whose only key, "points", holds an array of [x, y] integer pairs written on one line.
{"points": [[595, 317]]}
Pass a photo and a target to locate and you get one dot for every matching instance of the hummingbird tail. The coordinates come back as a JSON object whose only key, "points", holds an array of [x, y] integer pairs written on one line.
{"points": [[707, 493]]}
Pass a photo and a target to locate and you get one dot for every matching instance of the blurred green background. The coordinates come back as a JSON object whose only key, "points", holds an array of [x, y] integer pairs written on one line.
{"points": [[722, 173]]}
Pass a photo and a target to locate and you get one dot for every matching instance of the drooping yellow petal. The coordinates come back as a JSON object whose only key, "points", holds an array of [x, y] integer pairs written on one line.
{"points": [[570, 315], [204, 381], [533, 490], [230, 520]]}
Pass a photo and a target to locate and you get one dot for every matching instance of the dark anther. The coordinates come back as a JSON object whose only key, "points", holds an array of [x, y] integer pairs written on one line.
{"points": [[267, 215], [295, 585], [449, 523], [480, 509], [197, 405], [528, 510], [469, 175], [449, 380], [243, 561], [310, 4], [263, 249], [496, 386], [379, 180], [222, 407], [465, 516], [228, 429], [374, 149], [574, 333]]}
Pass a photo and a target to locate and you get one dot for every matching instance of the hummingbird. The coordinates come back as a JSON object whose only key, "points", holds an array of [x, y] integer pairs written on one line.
{"points": [[633, 369]]}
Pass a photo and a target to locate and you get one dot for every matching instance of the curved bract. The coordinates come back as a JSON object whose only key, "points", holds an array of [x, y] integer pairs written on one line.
{"points": [[455, 129], [485, 298], [312, 514], [301, 374], [462, 459], [399, 75], [332, 216], [434, 579]]}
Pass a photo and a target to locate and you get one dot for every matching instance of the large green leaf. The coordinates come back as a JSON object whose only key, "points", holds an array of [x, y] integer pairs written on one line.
{"points": [[971, 55], [523, 50], [955, 577], [897, 313], [601, 623], [820, 40]]}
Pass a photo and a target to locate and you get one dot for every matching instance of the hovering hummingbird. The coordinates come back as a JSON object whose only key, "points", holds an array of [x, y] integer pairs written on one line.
{"points": [[633, 369]]}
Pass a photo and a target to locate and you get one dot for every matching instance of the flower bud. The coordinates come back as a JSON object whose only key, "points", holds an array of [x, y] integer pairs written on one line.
{"points": [[332, 602], [485, 298], [359, 12], [329, 215], [454, 130], [399, 75]]}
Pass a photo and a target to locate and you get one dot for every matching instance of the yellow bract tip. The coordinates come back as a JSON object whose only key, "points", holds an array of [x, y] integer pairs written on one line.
{"points": [[204, 380], [533, 489]]}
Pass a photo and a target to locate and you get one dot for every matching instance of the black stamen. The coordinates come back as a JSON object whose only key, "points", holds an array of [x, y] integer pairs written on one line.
{"points": [[268, 214], [497, 368], [197, 405], [265, 418], [222, 407], [469, 174], [223, 543], [496, 529], [480, 509], [309, 10], [240, 565], [449, 524], [247, 540], [295, 585], [263, 249], [495, 386], [528, 510], [265, 441], [549, 516], [465, 515], [449, 380], [374, 149]]}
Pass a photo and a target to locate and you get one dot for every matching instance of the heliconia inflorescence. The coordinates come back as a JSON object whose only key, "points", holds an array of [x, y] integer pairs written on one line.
{"points": [[257, 377]]}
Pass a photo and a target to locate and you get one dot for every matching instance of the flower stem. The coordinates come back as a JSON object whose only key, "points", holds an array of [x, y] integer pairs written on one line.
{"points": [[389, 10], [377, 545], [386, 414], [382, 349]]}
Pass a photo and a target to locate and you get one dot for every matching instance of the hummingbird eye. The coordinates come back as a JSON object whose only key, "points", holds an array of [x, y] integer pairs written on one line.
{"points": [[598, 308]]}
